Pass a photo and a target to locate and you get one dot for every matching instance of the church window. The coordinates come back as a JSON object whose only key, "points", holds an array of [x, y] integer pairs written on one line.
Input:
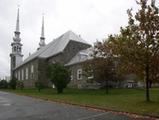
{"points": [[22, 74], [79, 74], [83, 56], [32, 69], [90, 73], [19, 49], [18, 75], [71, 75], [14, 48], [26, 73]]}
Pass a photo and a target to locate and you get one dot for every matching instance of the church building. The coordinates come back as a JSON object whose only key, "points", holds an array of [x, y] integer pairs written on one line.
{"points": [[68, 49]]}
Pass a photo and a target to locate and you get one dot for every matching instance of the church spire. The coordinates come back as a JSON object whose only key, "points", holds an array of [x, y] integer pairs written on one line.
{"points": [[42, 28], [42, 38], [17, 30], [17, 22], [16, 54]]}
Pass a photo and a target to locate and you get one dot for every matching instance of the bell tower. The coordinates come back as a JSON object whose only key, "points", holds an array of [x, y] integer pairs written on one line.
{"points": [[16, 55]]}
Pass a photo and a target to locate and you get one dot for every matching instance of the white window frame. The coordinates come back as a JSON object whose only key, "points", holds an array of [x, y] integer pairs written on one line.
{"points": [[26, 73], [71, 77], [83, 56], [19, 75], [79, 74], [91, 75], [32, 68]]}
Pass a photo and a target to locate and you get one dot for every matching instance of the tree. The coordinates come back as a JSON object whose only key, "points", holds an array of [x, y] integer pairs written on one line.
{"points": [[59, 76], [137, 45], [13, 83], [102, 65], [3, 84]]}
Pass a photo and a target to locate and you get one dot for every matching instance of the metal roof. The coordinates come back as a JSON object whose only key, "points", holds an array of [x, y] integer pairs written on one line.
{"points": [[81, 56], [55, 47]]}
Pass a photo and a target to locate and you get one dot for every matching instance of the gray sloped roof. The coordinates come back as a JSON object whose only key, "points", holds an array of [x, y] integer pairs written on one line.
{"points": [[55, 47], [81, 56]]}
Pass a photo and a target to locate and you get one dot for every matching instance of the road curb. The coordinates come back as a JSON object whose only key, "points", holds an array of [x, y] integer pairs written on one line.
{"points": [[95, 108]]}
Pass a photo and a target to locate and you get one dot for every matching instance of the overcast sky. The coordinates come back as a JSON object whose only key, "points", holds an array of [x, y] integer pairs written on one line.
{"points": [[92, 19]]}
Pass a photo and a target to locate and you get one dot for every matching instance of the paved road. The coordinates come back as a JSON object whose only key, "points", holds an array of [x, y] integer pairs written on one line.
{"points": [[15, 107]]}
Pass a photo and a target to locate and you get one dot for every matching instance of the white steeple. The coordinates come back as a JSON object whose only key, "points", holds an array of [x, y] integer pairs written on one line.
{"points": [[16, 38], [42, 38], [42, 28], [16, 55], [17, 22]]}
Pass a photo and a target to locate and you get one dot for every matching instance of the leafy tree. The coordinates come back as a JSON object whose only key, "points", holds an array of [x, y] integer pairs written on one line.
{"points": [[39, 85], [102, 65], [3, 84], [59, 76], [137, 45], [13, 83]]}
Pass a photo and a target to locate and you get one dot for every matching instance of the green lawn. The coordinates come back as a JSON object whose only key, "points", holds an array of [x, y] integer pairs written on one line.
{"points": [[129, 100]]}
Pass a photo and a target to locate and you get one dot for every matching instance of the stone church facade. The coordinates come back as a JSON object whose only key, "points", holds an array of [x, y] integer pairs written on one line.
{"points": [[68, 49], [61, 50]]}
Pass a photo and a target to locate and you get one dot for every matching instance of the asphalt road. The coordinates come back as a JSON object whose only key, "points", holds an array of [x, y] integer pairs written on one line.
{"points": [[15, 107]]}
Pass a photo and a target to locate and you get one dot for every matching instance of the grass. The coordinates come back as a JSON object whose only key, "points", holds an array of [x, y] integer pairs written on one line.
{"points": [[127, 100]]}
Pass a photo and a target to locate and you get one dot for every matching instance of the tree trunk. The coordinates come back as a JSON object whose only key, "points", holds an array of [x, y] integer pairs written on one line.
{"points": [[150, 84], [147, 83], [106, 86]]}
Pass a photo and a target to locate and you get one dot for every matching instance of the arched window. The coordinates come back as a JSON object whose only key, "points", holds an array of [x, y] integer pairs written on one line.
{"points": [[26, 74], [14, 48], [22, 74], [32, 69], [19, 49], [79, 74]]}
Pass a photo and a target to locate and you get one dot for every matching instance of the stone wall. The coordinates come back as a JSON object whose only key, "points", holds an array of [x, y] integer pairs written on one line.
{"points": [[42, 72], [41, 65], [32, 76], [69, 52], [75, 83]]}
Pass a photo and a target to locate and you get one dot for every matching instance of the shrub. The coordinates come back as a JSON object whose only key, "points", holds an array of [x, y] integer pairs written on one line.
{"points": [[3, 84], [13, 83], [20, 84], [59, 76]]}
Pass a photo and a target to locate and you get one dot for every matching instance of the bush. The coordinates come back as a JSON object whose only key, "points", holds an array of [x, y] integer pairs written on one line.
{"points": [[59, 76], [13, 83], [20, 84], [3, 84]]}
